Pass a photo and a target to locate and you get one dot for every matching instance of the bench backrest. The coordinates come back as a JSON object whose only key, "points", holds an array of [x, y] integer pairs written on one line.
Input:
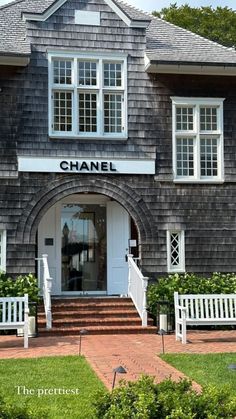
{"points": [[12, 309], [207, 306]]}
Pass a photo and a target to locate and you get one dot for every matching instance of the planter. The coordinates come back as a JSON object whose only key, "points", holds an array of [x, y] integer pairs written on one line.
{"points": [[31, 328]]}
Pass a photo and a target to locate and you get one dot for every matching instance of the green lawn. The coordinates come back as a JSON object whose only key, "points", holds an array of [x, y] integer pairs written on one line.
{"points": [[50, 375], [206, 369]]}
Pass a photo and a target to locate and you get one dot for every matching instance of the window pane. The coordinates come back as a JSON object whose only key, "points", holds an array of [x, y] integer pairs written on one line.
{"points": [[209, 160], [208, 119], [87, 73], [62, 107], [62, 72], [87, 112], [184, 118], [174, 249], [113, 112], [184, 157], [112, 74]]}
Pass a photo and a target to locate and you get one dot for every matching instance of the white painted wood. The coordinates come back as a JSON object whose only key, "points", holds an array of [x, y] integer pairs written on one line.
{"points": [[196, 134], [85, 17], [137, 289], [41, 17], [118, 231], [203, 309], [49, 228], [14, 313]]}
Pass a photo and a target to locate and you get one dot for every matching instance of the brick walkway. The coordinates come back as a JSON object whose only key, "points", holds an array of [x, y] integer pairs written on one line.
{"points": [[137, 353]]}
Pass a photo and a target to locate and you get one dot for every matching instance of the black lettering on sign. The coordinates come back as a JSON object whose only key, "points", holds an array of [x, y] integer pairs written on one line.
{"points": [[84, 166], [64, 165]]}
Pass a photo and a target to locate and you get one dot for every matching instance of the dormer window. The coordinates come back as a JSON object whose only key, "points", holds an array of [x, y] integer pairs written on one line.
{"points": [[87, 96]]}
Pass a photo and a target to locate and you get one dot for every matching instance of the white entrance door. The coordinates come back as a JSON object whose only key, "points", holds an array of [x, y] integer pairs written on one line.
{"points": [[49, 243], [118, 231]]}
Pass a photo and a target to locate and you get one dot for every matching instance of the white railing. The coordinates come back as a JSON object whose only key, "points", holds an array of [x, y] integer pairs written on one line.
{"points": [[46, 286], [137, 289]]}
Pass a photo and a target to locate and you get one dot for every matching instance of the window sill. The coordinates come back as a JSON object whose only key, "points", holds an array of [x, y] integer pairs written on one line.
{"points": [[90, 138], [176, 271], [213, 181]]}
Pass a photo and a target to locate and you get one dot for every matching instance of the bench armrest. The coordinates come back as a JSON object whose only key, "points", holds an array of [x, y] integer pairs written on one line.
{"points": [[181, 308]]}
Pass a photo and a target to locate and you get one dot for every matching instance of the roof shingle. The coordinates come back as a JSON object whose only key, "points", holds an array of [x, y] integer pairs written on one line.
{"points": [[166, 43]]}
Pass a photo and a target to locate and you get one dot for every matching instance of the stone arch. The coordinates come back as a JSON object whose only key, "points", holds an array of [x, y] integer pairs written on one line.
{"points": [[60, 188]]}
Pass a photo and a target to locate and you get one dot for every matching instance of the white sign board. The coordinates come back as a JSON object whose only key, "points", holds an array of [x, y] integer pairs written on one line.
{"points": [[69, 165]]}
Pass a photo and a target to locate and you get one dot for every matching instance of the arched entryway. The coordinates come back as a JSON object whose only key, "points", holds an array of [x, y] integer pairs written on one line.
{"points": [[113, 189], [86, 238]]}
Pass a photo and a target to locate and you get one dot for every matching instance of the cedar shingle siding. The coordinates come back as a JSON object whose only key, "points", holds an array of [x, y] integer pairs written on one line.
{"points": [[205, 211]]}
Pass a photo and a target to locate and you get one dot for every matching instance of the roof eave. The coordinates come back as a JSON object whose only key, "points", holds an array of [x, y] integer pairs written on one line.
{"points": [[42, 17], [21, 60], [197, 68]]}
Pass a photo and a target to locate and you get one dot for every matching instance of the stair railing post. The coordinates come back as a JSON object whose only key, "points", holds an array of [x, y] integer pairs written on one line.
{"points": [[144, 311], [49, 306], [129, 256]]}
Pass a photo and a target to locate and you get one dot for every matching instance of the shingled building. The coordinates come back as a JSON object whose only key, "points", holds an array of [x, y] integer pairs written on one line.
{"points": [[118, 134]]}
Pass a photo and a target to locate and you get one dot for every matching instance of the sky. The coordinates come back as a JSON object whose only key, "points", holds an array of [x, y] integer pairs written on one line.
{"points": [[150, 5]]}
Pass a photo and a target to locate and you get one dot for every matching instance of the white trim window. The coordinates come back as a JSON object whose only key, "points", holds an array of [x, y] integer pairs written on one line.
{"points": [[198, 139], [3, 245], [175, 251], [87, 95]]}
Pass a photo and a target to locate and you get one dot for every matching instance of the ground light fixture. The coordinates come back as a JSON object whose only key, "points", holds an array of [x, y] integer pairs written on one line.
{"points": [[82, 332], [118, 370], [162, 333], [232, 367]]}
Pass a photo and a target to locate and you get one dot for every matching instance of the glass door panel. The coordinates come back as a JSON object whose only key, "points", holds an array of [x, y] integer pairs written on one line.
{"points": [[83, 248]]}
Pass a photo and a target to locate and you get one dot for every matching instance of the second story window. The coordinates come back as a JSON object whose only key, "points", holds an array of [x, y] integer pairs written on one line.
{"points": [[197, 139], [87, 96]]}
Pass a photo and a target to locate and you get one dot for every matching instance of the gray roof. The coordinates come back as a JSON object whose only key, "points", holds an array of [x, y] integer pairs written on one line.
{"points": [[132, 12], [166, 43], [13, 29]]}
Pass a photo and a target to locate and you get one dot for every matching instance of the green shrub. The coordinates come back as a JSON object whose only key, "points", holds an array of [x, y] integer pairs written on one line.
{"points": [[189, 283], [19, 286], [168, 400], [8, 411]]}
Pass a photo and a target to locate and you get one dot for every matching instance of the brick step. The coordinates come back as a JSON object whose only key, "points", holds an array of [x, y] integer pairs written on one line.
{"points": [[130, 321], [93, 315], [85, 299], [76, 305], [97, 315], [98, 330], [92, 301]]}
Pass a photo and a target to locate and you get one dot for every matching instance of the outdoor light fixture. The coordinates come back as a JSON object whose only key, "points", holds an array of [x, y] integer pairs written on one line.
{"points": [[232, 367], [81, 333], [162, 333], [119, 370]]}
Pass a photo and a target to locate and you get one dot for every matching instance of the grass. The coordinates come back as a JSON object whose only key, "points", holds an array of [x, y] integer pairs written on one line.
{"points": [[17, 376], [206, 369]]}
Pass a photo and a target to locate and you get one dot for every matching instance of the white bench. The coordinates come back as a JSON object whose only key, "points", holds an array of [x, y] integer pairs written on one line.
{"points": [[202, 310], [14, 314]]}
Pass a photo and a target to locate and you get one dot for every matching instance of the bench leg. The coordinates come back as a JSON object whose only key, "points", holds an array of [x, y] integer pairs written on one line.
{"points": [[177, 331], [184, 331], [26, 333]]}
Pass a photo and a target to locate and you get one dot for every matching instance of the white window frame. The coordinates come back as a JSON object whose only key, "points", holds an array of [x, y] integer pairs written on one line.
{"points": [[195, 134], [3, 256], [100, 89], [181, 266]]}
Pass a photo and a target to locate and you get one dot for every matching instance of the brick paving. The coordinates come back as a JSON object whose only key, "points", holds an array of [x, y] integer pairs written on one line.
{"points": [[137, 353]]}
